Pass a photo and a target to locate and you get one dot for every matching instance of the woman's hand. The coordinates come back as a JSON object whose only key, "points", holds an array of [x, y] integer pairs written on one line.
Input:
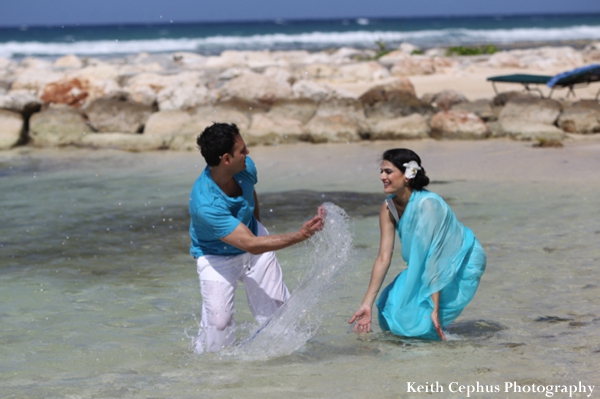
{"points": [[362, 317], [436, 323]]}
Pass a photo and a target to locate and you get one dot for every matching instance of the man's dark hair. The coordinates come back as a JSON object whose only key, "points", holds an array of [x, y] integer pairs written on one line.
{"points": [[216, 141]]}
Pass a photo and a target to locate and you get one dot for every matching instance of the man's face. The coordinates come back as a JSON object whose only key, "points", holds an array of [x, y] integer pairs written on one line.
{"points": [[238, 159]]}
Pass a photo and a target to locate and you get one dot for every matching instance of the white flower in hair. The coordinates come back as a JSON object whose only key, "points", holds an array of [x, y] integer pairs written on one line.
{"points": [[411, 169]]}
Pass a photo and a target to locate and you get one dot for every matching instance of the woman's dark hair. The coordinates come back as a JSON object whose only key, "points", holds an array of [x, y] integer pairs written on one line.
{"points": [[216, 141], [400, 156]]}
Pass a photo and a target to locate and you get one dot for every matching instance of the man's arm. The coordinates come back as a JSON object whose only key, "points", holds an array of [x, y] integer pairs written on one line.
{"points": [[256, 209], [243, 238]]}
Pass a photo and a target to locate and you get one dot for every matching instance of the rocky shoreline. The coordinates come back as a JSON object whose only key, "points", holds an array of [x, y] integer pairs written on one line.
{"points": [[162, 101]]}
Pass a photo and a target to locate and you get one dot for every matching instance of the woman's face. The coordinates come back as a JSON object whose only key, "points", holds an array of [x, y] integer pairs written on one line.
{"points": [[391, 177]]}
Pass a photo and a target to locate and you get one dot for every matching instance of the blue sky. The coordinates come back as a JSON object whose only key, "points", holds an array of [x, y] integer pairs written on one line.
{"points": [[70, 12]]}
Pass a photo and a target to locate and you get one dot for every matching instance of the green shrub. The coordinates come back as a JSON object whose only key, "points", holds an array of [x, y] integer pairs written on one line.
{"points": [[382, 50], [477, 50]]}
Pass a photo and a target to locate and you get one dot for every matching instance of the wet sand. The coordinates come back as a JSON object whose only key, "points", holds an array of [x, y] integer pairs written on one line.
{"points": [[354, 166]]}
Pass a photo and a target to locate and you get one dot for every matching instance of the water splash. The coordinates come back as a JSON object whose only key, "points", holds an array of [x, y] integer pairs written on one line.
{"points": [[299, 318]]}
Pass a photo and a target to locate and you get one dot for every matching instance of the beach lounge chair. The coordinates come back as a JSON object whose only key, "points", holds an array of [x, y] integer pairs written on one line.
{"points": [[577, 77]]}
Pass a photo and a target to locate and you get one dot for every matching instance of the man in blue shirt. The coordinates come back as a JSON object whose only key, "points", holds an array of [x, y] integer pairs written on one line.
{"points": [[228, 241]]}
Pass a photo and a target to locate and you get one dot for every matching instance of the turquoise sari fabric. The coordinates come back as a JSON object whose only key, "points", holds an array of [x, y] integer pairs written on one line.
{"points": [[442, 255]]}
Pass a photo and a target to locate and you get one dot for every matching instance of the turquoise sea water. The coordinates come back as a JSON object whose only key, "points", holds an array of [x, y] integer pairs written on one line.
{"points": [[212, 38], [99, 297]]}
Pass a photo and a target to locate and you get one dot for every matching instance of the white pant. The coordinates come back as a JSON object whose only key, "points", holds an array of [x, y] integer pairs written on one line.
{"points": [[219, 276]]}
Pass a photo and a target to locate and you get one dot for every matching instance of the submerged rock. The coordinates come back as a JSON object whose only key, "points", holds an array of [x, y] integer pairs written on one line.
{"points": [[67, 91], [124, 141], [273, 129], [446, 99], [118, 116], [458, 125], [481, 108], [581, 117], [22, 101], [11, 127], [254, 88], [393, 100], [407, 127], [337, 120], [58, 126], [531, 118]]}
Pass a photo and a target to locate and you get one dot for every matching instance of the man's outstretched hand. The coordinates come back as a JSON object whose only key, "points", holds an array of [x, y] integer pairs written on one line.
{"points": [[315, 224]]}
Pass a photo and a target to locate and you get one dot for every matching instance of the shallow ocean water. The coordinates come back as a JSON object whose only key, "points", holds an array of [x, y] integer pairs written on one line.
{"points": [[99, 297]]}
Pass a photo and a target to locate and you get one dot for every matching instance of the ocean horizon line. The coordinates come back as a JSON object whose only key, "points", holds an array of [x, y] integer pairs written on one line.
{"points": [[280, 21]]}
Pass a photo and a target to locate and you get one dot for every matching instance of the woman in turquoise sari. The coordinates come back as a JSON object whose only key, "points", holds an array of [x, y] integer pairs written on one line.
{"points": [[445, 260]]}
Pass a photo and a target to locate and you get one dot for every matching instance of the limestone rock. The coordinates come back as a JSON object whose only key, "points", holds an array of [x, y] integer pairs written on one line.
{"points": [[205, 116], [143, 88], [481, 108], [311, 90], [458, 125], [318, 71], [34, 79], [23, 101], [281, 75], [503, 59], [408, 127], [591, 52], [7, 64], [98, 81], [528, 118], [539, 58], [68, 62], [362, 72], [531, 109], [522, 130], [166, 123], [189, 60], [445, 64], [408, 48], [393, 57], [182, 91], [233, 59], [254, 88], [35, 63], [415, 65], [581, 117], [124, 141], [11, 127], [393, 100], [266, 129], [181, 95], [184, 137], [57, 126], [445, 99], [501, 99], [300, 110], [337, 120], [129, 69], [348, 55], [70, 92], [117, 115]]}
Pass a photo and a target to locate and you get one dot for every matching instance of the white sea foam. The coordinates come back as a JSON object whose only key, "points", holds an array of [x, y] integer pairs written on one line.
{"points": [[299, 318], [309, 40]]}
